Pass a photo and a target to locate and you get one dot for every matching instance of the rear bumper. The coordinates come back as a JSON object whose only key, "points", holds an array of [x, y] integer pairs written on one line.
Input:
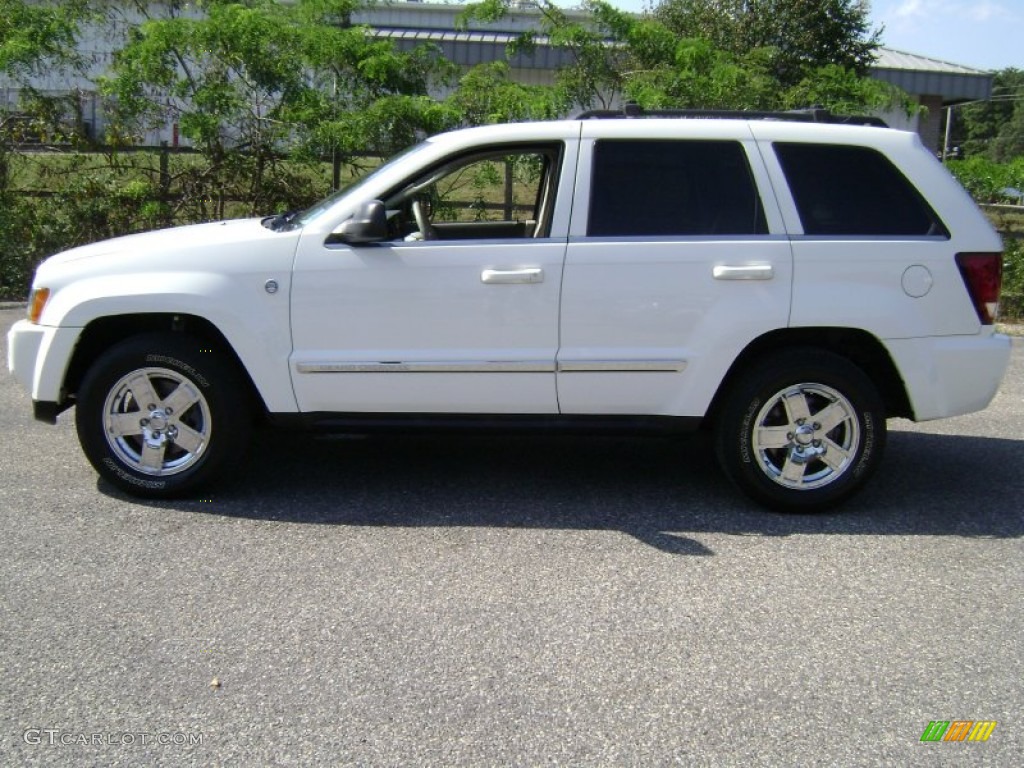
{"points": [[951, 375]]}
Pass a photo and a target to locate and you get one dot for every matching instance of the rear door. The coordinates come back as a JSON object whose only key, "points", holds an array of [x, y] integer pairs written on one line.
{"points": [[677, 259]]}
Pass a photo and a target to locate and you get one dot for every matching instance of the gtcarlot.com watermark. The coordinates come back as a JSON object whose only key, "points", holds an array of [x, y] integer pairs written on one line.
{"points": [[55, 737]]}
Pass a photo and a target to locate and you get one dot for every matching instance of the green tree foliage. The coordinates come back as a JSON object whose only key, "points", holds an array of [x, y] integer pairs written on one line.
{"points": [[249, 81], [35, 37], [760, 54], [801, 36], [361, 94], [714, 54], [994, 128], [988, 180], [1011, 302], [487, 94], [595, 75]]}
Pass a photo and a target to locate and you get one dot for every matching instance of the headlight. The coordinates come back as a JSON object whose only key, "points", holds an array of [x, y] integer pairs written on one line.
{"points": [[36, 301]]}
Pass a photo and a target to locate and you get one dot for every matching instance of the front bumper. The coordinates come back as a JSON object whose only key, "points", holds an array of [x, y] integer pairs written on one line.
{"points": [[23, 343], [37, 357]]}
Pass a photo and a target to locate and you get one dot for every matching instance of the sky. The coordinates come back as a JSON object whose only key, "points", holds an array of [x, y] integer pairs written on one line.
{"points": [[985, 34]]}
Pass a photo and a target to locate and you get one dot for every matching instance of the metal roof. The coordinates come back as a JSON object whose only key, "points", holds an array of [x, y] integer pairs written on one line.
{"points": [[889, 58], [476, 47], [924, 75]]}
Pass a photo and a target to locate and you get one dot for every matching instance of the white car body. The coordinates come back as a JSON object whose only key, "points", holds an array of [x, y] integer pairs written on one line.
{"points": [[566, 324]]}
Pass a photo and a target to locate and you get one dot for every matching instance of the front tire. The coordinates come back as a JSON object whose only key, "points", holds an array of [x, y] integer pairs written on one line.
{"points": [[801, 431], [161, 415]]}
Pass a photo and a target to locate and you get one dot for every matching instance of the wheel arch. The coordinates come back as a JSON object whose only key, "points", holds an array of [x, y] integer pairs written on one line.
{"points": [[861, 348], [103, 332]]}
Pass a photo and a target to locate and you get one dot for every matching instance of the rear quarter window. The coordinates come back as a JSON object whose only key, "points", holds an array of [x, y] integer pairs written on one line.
{"points": [[854, 191]]}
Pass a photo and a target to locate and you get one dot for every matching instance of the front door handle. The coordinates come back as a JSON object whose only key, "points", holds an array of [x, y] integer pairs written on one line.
{"points": [[510, 276], [745, 272]]}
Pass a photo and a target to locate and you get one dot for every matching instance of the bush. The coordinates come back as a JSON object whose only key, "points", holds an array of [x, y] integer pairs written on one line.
{"points": [[18, 255], [987, 180], [90, 207], [1011, 305], [75, 199]]}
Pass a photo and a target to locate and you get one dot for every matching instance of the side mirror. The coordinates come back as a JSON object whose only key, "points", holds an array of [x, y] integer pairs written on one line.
{"points": [[368, 225]]}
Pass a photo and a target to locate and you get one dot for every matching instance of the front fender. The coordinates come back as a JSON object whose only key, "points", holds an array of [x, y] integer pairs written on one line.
{"points": [[254, 320]]}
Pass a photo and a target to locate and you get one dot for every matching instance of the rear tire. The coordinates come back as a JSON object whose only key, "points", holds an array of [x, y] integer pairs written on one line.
{"points": [[162, 415], [801, 431]]}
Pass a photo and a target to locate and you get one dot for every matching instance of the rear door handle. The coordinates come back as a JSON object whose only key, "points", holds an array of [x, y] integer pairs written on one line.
{"points": [[745, 272], [510, 276]]}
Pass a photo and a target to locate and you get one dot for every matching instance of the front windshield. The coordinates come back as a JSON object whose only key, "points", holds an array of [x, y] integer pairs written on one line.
{"points": [[311, 213]]}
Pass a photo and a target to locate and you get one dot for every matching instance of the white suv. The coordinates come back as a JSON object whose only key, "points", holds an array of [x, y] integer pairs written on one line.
{"points": [[786, 282]]}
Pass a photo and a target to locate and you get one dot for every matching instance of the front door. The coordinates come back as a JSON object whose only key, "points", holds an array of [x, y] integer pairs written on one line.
{"points": [[458, 310]]}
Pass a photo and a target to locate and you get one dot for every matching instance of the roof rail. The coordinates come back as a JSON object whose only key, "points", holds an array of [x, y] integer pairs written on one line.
{"points": [[809, 115]]}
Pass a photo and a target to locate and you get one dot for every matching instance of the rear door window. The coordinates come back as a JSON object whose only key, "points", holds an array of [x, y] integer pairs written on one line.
{"points": [[673, 188]]}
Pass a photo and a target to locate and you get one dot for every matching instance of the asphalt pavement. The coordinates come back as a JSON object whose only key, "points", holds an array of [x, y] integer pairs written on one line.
{"points": [[525, 601]]}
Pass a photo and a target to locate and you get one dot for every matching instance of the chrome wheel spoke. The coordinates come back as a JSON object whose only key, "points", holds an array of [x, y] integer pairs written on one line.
{"points": [[124, 424], [152, 457], [181, 399], [796, 406], [188, 439], [793, 471], [773, 437], [831, 417], [142, 390], [834, 455]]}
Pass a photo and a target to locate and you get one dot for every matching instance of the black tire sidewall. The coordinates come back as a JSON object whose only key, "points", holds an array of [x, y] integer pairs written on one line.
{"points": [[205, 369], [765, 380]]}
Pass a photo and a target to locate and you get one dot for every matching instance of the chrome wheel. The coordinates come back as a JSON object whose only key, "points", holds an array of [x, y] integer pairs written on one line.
{"points": [[801, 429], [806, 436], [156, 421], [163, 414]]}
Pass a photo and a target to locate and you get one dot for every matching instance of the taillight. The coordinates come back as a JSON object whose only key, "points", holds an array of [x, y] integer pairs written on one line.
{"points": [[983, 276]]}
